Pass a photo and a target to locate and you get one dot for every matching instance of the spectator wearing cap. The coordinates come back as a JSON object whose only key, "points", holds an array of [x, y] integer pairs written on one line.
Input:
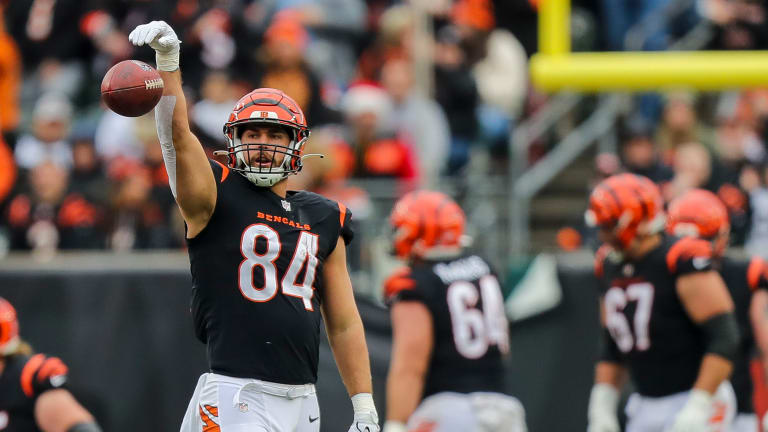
{"points": [[639, 153], [411, 112], [334, 27], [48, 139], [283, 66]]}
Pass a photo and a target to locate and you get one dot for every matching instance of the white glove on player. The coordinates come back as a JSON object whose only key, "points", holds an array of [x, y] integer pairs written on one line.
{"points": [[694, 417], [161, 38], [601, 414], [765, 423], [366, 419]]}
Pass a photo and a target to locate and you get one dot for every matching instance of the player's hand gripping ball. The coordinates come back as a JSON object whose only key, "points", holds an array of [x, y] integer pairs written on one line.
{"points": [[131, 88]]}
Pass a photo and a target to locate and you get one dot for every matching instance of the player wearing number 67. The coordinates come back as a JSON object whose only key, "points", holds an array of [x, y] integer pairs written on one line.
{"points": [[667, 316], [450, 331], [266, 262]]}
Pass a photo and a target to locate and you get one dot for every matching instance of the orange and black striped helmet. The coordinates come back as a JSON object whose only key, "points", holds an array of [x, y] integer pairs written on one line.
{"points": [[628, 203], [425, 221], [9, 328], [697, 213]]}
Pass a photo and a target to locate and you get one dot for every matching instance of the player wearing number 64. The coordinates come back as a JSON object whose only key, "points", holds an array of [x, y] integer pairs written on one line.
{"points": [[450, 331], [265, 263], [667, 315]]}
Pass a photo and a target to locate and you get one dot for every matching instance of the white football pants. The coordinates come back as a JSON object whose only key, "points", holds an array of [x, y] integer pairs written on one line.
{"points": [[226, 404], [656, 414], [745, 423], [473, 412]]}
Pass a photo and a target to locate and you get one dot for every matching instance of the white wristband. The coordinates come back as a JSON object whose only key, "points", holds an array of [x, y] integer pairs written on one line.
{"points": [[363, 402], [394, 426], [603, 400], [167, 61]]}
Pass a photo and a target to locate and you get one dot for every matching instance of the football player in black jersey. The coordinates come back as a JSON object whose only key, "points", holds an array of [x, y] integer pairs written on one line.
{"points": [[700, 213], [449, 326], [668, 318], [266, 262], [33, 396]]}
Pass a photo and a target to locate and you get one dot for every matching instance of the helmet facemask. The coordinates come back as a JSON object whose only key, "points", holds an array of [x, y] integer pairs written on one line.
{"points": [[239, 154]]}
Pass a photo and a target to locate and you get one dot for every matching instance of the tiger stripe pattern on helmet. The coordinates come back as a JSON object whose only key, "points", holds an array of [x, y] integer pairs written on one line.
{"points": [[698, 213], [424, 220], [628, 203], [9, 328]]}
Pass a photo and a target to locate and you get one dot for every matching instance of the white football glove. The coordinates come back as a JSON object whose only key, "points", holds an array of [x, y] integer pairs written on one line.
{"points": [[161, 38], [601, 414], [366, 418], [765, 423], [694, 417]]}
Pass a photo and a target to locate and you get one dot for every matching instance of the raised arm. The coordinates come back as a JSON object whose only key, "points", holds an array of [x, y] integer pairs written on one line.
{"points": [[189, 172]]}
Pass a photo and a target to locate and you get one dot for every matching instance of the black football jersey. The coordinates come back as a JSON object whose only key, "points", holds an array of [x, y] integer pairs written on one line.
{"points": [[257, 279], [742, 278], [22, 380], [469, 322], [649, 328]]}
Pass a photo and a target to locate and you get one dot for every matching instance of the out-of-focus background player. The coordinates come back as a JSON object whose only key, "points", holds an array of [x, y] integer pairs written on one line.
{"points": [[33, 394], [700, 213], [667, 315], [450, 332]]}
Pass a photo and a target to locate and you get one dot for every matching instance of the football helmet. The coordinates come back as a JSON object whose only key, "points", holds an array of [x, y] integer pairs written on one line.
{"points": [[698, 213], [426, 223], [271, 107], [9, 328], [629, 205]]}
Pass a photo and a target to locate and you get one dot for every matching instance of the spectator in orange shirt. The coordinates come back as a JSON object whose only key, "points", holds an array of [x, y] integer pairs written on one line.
{"points": [[10, 83]]}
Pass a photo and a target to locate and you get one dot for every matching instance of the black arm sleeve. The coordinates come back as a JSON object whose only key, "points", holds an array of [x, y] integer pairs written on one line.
{"points": [[721, 334]]}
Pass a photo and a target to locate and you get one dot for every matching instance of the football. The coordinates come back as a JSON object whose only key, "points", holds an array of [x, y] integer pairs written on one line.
{"points": [[131, 88]]}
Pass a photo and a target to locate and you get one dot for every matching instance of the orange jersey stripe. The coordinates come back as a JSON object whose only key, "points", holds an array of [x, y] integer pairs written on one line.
{"points": [[28, 372], [52, 366], [754, 271], [224, 171], [687, 247], [342, 213]]}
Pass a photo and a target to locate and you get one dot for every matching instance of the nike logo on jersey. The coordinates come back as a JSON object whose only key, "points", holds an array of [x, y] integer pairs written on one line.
{"points": [[700, 263], [312, 420]]}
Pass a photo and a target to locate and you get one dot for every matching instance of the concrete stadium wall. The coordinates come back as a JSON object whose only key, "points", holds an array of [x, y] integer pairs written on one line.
{"points": [[123, 326]]}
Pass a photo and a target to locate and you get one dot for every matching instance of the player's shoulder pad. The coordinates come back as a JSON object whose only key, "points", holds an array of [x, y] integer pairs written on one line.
{"points": [[220, 171], [757, 274], [600, 256], [400, 282], [689, 253], [325, 207], [41, 373]]}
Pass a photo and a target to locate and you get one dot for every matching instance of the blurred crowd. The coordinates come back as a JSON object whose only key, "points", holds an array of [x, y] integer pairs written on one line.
{"points": [[409, 90], [712, 141], [75, 175]]}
